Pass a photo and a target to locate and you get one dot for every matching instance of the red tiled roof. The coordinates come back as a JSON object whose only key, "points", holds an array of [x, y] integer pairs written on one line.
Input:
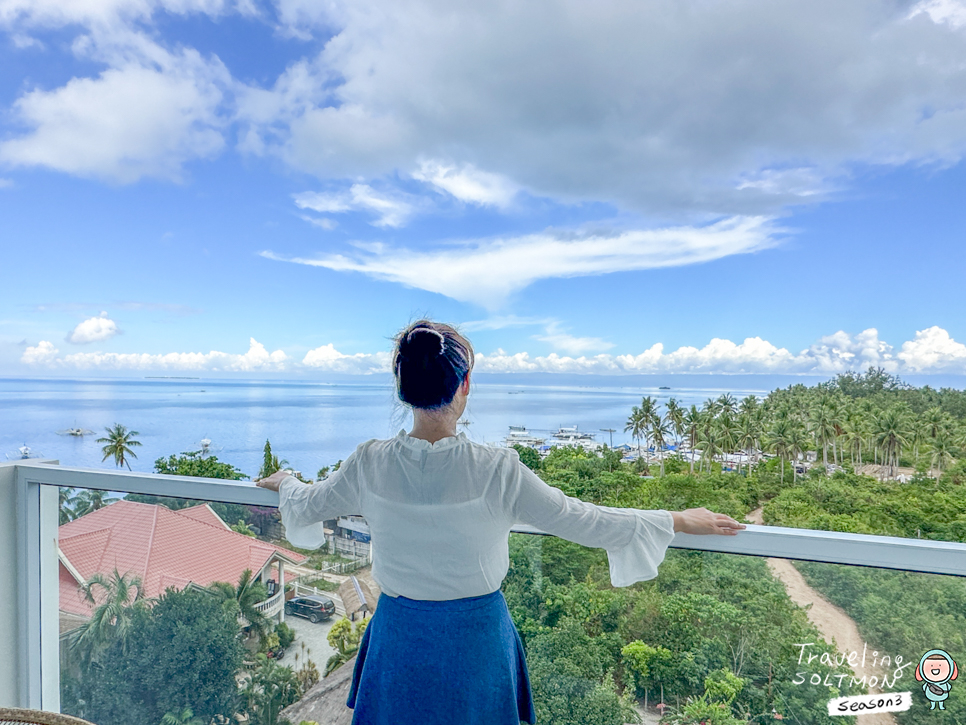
{"points": [[164, 548]]}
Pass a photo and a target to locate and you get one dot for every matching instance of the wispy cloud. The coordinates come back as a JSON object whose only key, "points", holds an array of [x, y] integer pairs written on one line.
{"points": [[488, 272], [390, 211], [559, 339], [467, 183], [6, 183], [501, 322], [128, 305]]}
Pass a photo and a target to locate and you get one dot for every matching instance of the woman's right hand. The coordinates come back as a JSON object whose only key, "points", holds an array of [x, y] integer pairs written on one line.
{"points": [[703, 521], [274, 481]]}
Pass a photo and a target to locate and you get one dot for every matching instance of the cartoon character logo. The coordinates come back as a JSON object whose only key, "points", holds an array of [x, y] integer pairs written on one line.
{"points": [[936, 671]]}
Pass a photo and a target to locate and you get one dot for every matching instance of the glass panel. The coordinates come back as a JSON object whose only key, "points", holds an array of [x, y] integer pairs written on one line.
{"points": [[715, 639], [166, 607], [718, 639]]}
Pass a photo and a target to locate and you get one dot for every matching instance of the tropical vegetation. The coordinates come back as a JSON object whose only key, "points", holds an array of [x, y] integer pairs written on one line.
{"points": [[714, 639]]}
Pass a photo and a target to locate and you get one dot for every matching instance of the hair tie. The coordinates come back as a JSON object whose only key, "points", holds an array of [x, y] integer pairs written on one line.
{"points": [[442, 339]]}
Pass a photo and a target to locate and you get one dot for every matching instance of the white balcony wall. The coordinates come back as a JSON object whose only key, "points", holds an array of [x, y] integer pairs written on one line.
{"points": [[9, 635]]}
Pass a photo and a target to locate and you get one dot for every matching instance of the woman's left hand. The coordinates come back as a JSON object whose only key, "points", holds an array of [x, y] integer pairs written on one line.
{"points": [[274, 481]]}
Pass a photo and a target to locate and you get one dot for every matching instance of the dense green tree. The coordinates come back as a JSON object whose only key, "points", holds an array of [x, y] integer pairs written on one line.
{"points": [[193, 464], [528, 457], [182, 652]]}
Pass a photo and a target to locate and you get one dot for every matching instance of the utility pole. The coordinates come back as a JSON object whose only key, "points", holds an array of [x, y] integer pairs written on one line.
{"points": [[611, 431]]}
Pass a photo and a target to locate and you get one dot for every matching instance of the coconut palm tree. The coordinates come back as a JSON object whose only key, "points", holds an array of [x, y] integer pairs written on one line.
{"points": [[65, 497], [115, 599], [247, 593], [918, 434], [87, 501], [693, 420], [637, 426], [891, 434], [660, 432], [821, 419], [778, 440], [749, 404], [710, 441], [935, 420], [942, 450], [119, 442], [727, 431], [675, 415], [727, 403], [747, 435], [797, 443]]}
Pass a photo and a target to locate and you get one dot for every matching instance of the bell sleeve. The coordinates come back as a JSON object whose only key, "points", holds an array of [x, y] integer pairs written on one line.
{"points": [[305, 506], [635, 540]]}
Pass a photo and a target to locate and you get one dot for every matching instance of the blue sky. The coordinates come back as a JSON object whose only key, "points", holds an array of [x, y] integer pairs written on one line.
{"points": [[673, 187]]}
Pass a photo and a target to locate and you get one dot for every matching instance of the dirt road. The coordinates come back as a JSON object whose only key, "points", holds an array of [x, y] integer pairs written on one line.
{"points": [[835, 625]]}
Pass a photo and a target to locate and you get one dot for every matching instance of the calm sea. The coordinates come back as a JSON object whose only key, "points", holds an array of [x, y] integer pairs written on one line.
{"points": [[309, 424]]}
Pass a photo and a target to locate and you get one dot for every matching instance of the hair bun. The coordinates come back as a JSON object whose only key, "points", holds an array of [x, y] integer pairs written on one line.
{"points": [[423, 342]]}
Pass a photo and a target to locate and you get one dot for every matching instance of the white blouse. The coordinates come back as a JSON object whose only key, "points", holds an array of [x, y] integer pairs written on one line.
{"points": [[440, 516]]}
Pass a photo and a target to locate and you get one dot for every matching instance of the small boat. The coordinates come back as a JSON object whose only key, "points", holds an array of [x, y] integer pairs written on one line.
{"points": [[664, 387], [75, 432], [572, 435], [23, 453], [520, 436]]}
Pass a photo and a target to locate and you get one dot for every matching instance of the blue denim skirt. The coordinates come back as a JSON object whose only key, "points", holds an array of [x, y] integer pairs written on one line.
{"points": [[441, 663]]}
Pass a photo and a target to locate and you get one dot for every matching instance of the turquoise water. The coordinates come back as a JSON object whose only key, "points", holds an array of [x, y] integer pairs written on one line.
{"points": [[310, 424]]}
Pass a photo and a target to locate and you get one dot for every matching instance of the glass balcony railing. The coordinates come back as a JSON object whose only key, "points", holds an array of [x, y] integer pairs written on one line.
{"points": [[773, 624]]}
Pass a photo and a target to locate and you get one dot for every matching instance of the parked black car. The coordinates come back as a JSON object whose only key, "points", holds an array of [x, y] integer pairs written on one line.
{"points": [[313, 608]]}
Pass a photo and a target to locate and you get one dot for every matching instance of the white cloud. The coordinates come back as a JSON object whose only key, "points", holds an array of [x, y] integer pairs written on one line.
{"points": [[933, 350], [467, 183], [488, 272], [942, 11], [102, 13], [645, 106], [147, 114], [329, 359], [390, 212], [256, 359], [44, 353], [668, 107], [95, 329], [6, 183]]}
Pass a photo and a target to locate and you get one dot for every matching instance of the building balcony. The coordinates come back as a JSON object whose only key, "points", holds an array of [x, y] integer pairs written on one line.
{"points": [[30, 661]]}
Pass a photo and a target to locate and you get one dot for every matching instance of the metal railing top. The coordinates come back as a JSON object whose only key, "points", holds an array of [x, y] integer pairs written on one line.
{"points": [[888, 552]]}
